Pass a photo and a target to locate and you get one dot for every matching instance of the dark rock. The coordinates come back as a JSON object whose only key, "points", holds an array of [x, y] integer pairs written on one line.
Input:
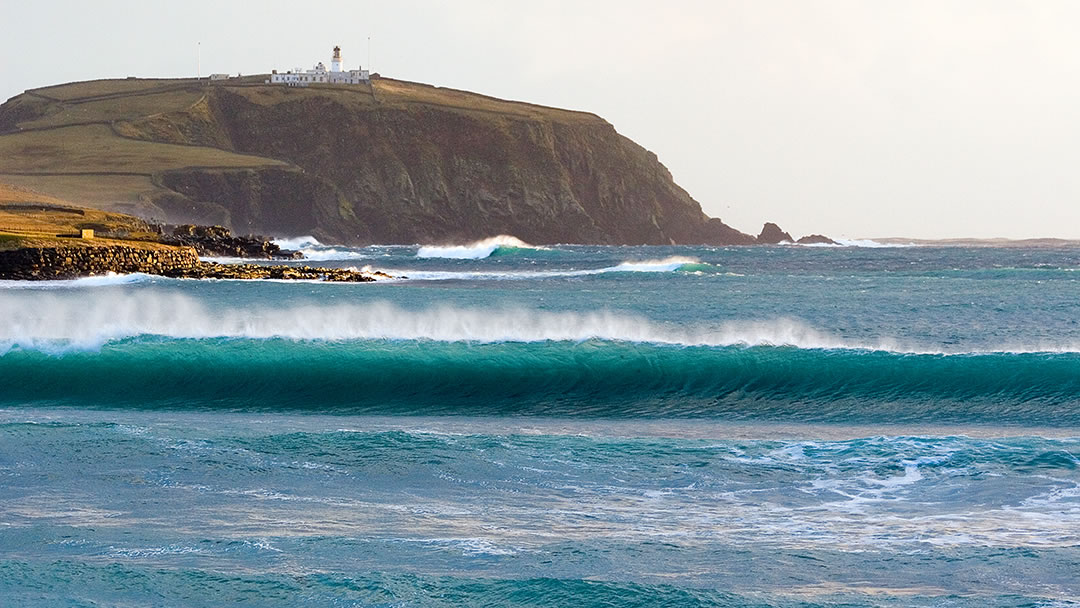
{"points": [[816, 239], [69, 262], [218, 241], [214, 270], [771, 234]]}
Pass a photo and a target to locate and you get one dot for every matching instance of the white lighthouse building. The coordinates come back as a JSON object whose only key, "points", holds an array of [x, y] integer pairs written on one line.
{"points": [[320, 75], [335, 63]]}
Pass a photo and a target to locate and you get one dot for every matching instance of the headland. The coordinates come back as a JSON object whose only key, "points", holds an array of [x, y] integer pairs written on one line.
{"points": [[378, 161]]}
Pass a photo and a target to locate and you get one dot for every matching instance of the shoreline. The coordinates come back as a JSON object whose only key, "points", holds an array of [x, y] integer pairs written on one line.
{"points": [[59, 260], [65, 262]]}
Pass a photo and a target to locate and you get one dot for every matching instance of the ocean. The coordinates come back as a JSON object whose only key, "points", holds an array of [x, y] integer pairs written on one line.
{"points": [[550, 426]]}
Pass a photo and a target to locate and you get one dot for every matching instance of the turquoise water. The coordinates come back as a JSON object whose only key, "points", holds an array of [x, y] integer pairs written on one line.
{"points": [[585, 426]]}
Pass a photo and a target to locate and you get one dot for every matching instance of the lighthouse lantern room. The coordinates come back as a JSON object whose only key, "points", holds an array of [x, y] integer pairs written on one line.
{"points": [[335, 63]]}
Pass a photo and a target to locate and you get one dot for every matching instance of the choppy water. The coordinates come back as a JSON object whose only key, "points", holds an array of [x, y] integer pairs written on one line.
{"points": [[585, 426]]}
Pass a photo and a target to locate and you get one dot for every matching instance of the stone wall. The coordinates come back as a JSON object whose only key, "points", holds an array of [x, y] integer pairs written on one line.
{"points": [[40, 263]]}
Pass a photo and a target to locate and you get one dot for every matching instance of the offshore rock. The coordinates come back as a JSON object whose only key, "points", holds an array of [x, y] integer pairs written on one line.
{"points": [[816, 239], [771, 234]]}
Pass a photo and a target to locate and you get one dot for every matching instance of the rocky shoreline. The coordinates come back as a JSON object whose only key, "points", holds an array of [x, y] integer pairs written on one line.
{"points": [[215, 270], [218, 241], [75, 261]]}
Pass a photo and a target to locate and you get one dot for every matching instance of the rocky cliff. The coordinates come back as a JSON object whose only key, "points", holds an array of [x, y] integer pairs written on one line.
{"points": [[395, 162]]}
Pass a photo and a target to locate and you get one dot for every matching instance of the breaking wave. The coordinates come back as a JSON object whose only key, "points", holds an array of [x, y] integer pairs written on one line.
{"points": [[150, 348], [55, 323], [671, 264], [675, 262], [315, 251], [297, 243], [592, 378], [104, 280], [870, 244], [475, 251]]}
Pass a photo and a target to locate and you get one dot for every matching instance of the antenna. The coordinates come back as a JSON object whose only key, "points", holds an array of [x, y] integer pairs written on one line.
{"points": [[198, 62], [369, 53]]}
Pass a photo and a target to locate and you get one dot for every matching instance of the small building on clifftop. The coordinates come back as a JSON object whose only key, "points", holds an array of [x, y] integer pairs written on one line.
{"points": [[320, 75]]}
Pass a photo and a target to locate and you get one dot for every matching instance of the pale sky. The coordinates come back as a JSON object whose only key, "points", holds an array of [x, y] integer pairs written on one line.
{"points": [[868, 118]]}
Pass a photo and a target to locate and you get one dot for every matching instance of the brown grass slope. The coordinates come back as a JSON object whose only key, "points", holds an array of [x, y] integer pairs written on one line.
{"points": [[393, 162], [33, 219]]}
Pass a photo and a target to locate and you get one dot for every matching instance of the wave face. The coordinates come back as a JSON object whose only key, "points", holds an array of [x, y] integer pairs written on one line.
{"points": [[166, 348], [586, 379], [477, 250]]}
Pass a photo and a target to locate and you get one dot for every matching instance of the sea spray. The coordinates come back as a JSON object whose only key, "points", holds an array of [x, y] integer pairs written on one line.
{"points": [[52, 321], [474, 251], [299, 242], [668, 264]]}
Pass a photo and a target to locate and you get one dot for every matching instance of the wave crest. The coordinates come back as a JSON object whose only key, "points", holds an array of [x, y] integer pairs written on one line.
{"points": [[55, 322], [668, 264], [474, 251], [297, 242], [60, 322]]}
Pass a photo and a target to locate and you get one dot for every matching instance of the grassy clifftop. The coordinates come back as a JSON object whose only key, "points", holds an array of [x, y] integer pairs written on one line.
{"points": [[33, 219], [392, 161]]}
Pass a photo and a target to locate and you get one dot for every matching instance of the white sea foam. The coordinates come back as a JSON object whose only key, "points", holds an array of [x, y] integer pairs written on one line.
{"points": [[315, 251], [298, 242], [104, 280], [473, 251], [332, 253], [669, 264], [57, 322], [95, 318], [867, 243], [870, 244]]}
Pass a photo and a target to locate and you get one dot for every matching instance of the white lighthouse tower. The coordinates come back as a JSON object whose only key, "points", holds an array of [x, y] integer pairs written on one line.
{"points": [[335, 63]]}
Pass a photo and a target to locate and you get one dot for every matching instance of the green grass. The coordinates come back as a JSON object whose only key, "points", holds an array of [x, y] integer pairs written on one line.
{"points": [[400, 92], [122, 108], [97, 149], [90, 190], [96, 88]]}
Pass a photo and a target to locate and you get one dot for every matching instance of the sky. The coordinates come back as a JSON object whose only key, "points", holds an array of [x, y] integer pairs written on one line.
{"points": [[856, 119]]}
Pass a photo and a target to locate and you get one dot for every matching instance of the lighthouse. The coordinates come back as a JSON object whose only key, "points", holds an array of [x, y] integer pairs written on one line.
{"points": [[335, 63], [320, 75]]}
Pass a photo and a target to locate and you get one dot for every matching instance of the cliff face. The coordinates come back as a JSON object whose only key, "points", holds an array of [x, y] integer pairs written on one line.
{"points": [[398, 172], [407, 163]]}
